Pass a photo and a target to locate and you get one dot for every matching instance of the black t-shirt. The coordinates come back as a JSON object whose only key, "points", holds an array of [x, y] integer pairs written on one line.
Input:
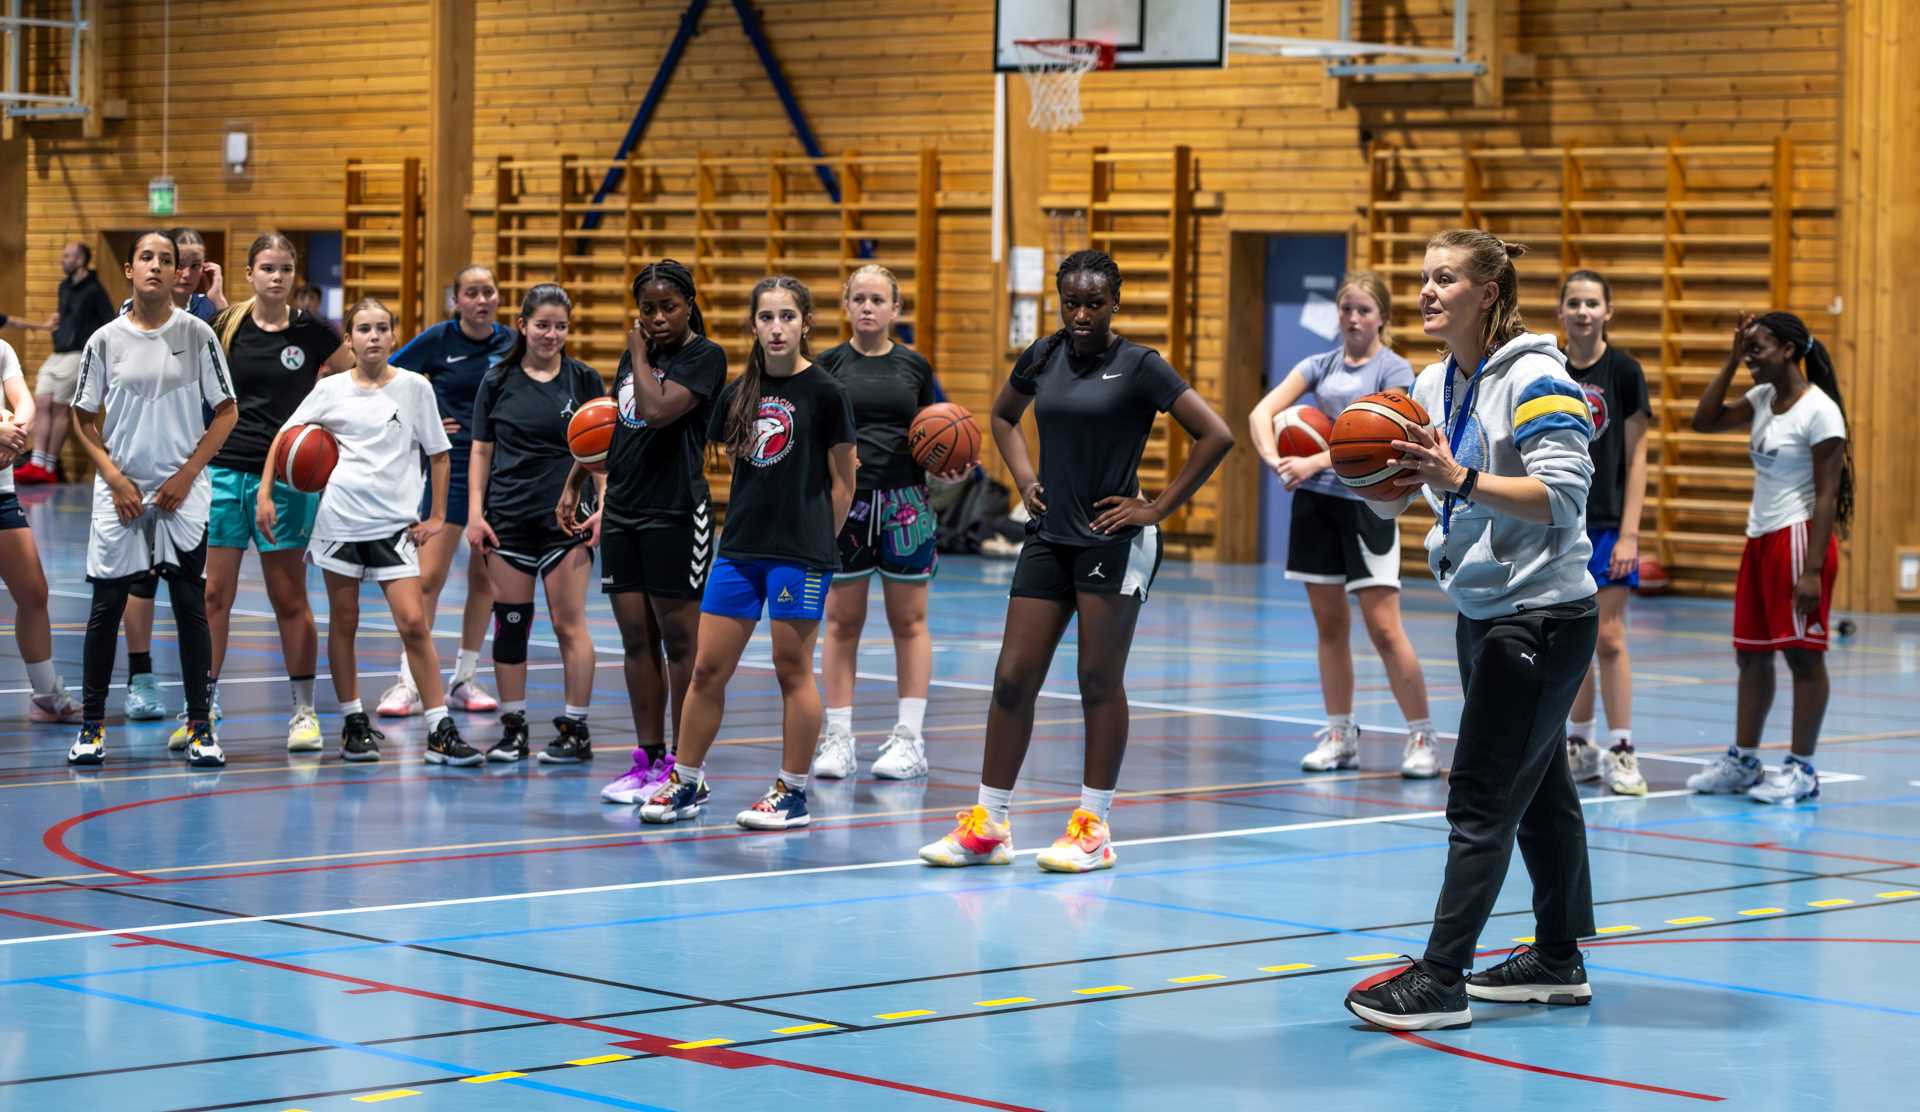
{"points": [[781, 506], [455, 363], [660, 472], [1616, 389], [1094, 415], [84, 308], [887, 391], [272, 373], [526, 421]]}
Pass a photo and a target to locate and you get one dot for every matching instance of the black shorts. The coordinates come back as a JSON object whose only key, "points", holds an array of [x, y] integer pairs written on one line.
{"points": [[1056, 571], [11, 515], [661, 557], [1339, 540], [371, 561], [534, 551], [892, 532]]}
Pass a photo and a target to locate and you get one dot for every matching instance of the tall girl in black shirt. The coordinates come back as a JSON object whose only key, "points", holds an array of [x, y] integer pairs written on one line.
{"points": [[1097, 547], [519, 464], [789, 427]]}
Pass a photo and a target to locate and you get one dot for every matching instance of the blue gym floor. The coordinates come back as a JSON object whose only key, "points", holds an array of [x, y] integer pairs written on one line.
{"points": [[296, 933]]}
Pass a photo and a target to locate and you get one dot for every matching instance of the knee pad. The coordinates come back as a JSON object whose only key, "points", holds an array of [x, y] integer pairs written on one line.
{"points": [[512, 629], [145, 586]]}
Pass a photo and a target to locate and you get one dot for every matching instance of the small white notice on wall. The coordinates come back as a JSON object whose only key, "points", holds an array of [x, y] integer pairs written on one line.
{"points": [[1320, 316], [1319, 281], [1027, 272]]}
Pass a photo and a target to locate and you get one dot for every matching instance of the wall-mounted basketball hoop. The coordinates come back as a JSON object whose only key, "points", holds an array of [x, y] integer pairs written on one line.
{"points": [[18, 98], [1053, 69]]}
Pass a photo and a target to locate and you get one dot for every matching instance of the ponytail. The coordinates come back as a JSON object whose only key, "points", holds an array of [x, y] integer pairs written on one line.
{"points": [[1792, 331], [745, 404], [546, 293], [227, 323]]}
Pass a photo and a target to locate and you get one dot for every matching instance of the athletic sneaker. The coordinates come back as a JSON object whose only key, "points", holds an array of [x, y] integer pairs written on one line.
{"points": [[677, 799], [182, 735], [1419, 762], [468, 695], [976, 840], [833, 759], [782, 808], [444, 746], [400, 701], [1733, 772], [637, 784], [903, 756], [359, 741], [1531, 977], [32, 474], [1410, 999], [1087, 845], [1620, 767], [90, 747], [58, 706], [203, 749], [571, 746], [512, 745], [1790, 783], [143, 699], [303, 732], [1337, 749], [1583, 757]]}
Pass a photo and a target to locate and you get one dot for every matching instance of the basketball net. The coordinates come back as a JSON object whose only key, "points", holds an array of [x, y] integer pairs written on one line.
{"points": [[1053, 69]]}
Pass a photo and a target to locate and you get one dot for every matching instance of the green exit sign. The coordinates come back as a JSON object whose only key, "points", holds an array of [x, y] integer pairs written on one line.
{"points": [[161, 197]]}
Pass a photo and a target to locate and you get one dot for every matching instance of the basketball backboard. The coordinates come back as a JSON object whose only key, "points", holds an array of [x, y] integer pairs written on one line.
{"points": [[1146, 34]]}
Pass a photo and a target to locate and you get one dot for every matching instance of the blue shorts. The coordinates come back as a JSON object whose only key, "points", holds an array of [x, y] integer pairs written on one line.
{"points": [[11, 515], [1603, 541], [456, 489], [230, 522], [739, 588]]}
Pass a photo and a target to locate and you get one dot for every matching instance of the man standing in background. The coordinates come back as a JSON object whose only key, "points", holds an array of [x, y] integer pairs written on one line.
{"points": [[84, 307]]}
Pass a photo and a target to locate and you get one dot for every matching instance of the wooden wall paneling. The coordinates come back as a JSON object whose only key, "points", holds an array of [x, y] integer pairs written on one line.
{"points": [[382, 239], [13, 235], [450, 123], [926, 241]]}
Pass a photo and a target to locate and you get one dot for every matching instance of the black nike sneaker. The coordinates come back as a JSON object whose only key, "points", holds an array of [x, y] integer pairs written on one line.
{"points": [[1530, 977], [444, 746], [1411, 999], [512, 745], [359, 741]]}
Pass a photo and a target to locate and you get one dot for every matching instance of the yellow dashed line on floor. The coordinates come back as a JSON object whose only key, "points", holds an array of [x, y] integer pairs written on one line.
{"points": [[915, 1013], [1524, 939], [486, 1078], [599, 1060], [1763, 911], [1100, 989], [1384, 957], [1003, 1002], [1837, 902], [390, 1094], [1285, 968], [1196, 978], [1617, 929], [701, 1045], [804, 1028], [1898, 894], [1689, 920]]}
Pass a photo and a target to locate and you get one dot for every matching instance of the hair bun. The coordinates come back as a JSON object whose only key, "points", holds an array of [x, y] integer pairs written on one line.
{"points": [[1513, 250]]}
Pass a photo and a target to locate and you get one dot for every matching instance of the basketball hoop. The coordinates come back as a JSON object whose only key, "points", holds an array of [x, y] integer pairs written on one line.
{"points": [[1053, 68]]}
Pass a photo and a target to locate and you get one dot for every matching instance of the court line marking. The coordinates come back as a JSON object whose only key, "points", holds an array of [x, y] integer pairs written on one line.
{"points": [[725, 878]]}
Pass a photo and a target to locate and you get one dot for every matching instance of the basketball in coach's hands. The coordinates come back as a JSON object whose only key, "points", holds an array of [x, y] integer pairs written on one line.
{"points": [[1301, 430], [590, 433], [944, 438], [305, 458], [1362, 443]]}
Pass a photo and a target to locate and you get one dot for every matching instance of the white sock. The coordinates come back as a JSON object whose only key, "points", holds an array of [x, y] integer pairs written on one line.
{"points": [[578, 714], [1097, 801], [691, 774], [302, 693], [1620, 737], [1340, 723], [513, 706], [796, 781], [40, 673], [840, 718], [463, 666], [996, 801], [913, 714], [45, 459], [353, 706], [435, 716], [1420, 726], [1583, 730]]}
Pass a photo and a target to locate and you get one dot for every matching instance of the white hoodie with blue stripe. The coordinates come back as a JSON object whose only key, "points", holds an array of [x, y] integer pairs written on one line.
{"points": [[1528, 418]]}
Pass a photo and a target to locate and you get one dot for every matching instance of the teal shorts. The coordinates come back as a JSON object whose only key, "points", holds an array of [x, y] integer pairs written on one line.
{"points": [[231, 525]]}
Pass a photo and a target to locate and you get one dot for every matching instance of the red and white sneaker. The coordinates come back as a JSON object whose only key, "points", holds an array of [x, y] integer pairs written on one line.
{"points": [[31, 474], [400, 701], [977, 840], [469, 696], [1087, 845]]}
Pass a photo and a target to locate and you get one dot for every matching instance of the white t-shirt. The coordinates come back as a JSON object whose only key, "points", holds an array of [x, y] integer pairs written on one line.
{"points": [[1782, 450], [156, 388], [374, 491], [9, 369]]}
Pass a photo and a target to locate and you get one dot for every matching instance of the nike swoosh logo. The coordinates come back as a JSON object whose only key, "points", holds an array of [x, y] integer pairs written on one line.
{"points": [[1115, 374], [455, 358]]}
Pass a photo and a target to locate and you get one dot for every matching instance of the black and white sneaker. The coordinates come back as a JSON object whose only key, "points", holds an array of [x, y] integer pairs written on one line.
{"points": [[359, 741], [571, 746], [512, 745], [1410, 999], [1530, 977], [444, 746]]}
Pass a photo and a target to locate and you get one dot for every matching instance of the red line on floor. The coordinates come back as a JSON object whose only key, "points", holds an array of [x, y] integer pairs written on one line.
{"points": [[1421, 1040], [1774, 846]]}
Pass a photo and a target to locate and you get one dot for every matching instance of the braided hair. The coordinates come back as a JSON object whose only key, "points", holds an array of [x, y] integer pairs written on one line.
{"points": [[1792, 331], [675, 274], [1080, 262]]}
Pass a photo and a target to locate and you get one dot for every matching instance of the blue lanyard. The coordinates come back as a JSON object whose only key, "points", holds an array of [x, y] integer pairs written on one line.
{"points": [[1457, 429]]}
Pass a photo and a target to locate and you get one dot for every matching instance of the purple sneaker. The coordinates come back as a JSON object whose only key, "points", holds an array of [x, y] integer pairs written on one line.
{"points": [[638, 783]]}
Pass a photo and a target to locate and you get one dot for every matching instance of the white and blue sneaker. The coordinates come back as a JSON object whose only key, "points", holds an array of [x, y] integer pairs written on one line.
{"points": [[203, 748], [143, 699], [677, 799], [1793, 782], [782, 808], [1733, 772], [182, 734], [89, 747]]}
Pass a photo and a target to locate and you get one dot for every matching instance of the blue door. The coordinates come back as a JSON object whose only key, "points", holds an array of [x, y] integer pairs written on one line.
{"points": [[1303, 276]]}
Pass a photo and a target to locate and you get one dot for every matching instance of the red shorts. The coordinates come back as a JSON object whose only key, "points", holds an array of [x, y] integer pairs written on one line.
{"points": [[1764, 618]]}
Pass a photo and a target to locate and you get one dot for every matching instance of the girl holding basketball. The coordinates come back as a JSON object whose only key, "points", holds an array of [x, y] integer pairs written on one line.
{"points": [[368, 528], [654, 523], [520, 463], [1802, 500], [1506, 472], [1093, 551], [455, 356], [889, 530], [20, 568], [1338, 549], [276, 354], [789, 427], [1616, 389]]}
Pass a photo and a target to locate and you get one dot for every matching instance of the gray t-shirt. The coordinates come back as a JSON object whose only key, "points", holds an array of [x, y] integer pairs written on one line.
{"points": [[1335, 385]]}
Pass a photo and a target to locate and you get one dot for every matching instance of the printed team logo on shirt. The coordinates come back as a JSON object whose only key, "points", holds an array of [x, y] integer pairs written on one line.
{"points": [[566, 411], [1596, 401], [1473, 446], [293, 358], [772, 432]]}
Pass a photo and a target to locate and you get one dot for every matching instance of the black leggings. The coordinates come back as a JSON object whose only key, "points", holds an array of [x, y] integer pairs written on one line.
{"points": [[187, 591], [1510, 776]]}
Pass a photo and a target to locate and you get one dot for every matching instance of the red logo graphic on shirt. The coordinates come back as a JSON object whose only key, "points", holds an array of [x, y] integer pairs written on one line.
{"points": [[772, 432], [625, 400], [1596, 401]]}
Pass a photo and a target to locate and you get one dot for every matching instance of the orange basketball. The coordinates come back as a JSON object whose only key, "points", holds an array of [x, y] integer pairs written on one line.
{"points": [[944, 438], [305, 458], [590, 432], [1301, 431], [1653, 577], [1362, 443]]}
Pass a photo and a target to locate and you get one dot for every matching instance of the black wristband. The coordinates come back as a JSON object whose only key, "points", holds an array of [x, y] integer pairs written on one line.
{"points": [[1467, 484]]}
